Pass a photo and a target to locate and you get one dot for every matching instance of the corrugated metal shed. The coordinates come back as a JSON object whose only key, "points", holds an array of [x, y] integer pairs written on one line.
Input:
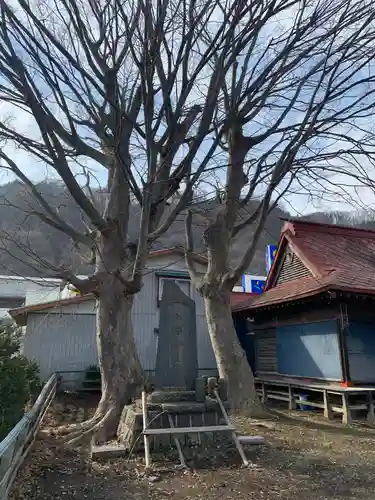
{"points": [[62, 338], [61, 342]]}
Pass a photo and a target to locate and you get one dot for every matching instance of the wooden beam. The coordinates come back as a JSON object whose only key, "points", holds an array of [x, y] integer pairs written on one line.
{"points": [[177, 443], [234, 435], [145, 430], [343, 352], [190, 430]]}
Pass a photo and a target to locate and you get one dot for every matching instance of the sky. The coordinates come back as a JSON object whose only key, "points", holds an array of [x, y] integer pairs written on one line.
{"points": [[296, 202]]}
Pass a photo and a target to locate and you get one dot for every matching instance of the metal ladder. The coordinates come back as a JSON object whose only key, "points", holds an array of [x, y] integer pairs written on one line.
{"points": [[174, 431]]}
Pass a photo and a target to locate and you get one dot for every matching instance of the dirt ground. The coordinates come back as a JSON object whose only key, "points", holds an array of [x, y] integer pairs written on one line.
{"points": [[304, 457]]}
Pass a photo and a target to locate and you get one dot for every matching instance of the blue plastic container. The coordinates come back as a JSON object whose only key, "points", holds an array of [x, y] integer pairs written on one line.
{"points": [[304, 397]]}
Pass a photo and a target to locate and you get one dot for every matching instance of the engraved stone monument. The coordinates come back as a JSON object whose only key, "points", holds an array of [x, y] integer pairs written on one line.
{"points": [[178, 395], [176, 359]]}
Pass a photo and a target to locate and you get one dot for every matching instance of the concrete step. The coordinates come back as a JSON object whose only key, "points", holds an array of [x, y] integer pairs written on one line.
{"points": [[106, 451]]}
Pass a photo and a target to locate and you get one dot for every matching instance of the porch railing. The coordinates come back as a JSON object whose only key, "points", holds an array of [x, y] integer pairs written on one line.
{"points": [[17, 444]]}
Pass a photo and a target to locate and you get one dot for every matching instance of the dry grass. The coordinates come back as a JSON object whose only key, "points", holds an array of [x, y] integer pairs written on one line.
{"points": [[303, 458]]}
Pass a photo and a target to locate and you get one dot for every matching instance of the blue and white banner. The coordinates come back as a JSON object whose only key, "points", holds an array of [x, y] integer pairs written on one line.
{"points": [[270, 256], [253, 284]]}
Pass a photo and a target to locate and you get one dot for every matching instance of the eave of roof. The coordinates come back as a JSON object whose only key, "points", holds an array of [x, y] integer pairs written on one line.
{"points": [[19, 314], [179, 250]]}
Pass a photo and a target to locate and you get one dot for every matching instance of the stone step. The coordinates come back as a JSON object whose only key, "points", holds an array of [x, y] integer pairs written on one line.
{"points": [[184, 407], [171, 396], [191, 407]]}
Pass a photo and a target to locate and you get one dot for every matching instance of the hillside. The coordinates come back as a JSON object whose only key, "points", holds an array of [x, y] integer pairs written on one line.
{"points": [[27, 244]]}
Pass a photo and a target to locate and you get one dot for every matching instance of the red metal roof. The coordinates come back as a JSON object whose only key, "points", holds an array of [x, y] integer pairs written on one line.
{"points": [[339, 258], [237, 299]]}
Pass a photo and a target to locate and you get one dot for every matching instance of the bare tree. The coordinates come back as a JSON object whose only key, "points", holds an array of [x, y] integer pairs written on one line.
{"points": [[130, 88], [298, 106]]}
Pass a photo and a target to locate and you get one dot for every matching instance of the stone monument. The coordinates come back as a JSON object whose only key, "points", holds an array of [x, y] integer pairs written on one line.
{"points": [[176, 359], [179, 394]]}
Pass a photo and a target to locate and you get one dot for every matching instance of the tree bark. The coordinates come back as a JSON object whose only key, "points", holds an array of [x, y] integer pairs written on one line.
{"points": [[230, 357], [119, 363]]}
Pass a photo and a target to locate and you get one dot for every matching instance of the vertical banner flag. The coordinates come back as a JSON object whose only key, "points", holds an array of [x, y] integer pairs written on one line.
{"points": [[270, 256]]}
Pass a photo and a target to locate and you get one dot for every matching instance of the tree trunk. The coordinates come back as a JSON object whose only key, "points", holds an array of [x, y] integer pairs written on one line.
{"points": [[120, 368], [231, 358]]}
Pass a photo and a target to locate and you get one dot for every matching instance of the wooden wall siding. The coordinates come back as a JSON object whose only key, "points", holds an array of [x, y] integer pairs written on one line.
{"points": [[266, 357], [291, 268]]}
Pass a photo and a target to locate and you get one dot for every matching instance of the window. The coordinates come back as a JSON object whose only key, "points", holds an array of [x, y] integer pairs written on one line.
{"points": [[183, 283], [11, 302]]}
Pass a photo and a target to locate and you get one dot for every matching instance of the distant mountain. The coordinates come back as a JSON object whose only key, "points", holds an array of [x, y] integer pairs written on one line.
{"points": [[27, 244]]}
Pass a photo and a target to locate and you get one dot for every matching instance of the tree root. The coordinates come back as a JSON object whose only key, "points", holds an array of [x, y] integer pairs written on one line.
{"points": [[88, 430], [73, 428]]}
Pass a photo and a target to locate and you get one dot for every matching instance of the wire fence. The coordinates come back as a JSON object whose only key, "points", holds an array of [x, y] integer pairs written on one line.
{"points": [[16, 445]]}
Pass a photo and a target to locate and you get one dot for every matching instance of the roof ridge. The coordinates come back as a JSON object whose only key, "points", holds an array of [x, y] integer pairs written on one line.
{"points": [[325, 227]]}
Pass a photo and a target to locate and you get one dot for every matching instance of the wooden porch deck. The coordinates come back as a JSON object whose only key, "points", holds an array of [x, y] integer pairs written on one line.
{"points": [[329, 396]]}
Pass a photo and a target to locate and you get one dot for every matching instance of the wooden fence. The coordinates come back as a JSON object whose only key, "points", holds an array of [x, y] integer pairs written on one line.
{"points": [[17, 444]]}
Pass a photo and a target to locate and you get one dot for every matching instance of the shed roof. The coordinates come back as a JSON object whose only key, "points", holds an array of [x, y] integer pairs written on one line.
{"points": [[177, 250], [20, 313], [237, 299], [339, 258]]}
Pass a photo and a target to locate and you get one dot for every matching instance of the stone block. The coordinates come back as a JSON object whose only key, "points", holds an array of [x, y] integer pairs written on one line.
{"points": [[107, 451], [211, 385], [171, 396], [184, 407], [223, 389], [200, 390], [176, 357]]}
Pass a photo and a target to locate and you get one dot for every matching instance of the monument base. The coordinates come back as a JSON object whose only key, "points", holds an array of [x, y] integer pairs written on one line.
{"points": [[186, 408]]}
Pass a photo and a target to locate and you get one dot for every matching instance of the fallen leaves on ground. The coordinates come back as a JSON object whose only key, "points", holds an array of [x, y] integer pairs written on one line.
{"points": [[303, 458]]}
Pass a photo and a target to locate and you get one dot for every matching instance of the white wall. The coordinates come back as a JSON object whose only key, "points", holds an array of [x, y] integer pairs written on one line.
{"points": [[30, 290]]}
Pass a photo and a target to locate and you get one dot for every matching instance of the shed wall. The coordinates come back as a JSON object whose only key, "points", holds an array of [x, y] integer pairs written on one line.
{"points": [[266, 356], [61, 343], [309, 350], [360, 341]]}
